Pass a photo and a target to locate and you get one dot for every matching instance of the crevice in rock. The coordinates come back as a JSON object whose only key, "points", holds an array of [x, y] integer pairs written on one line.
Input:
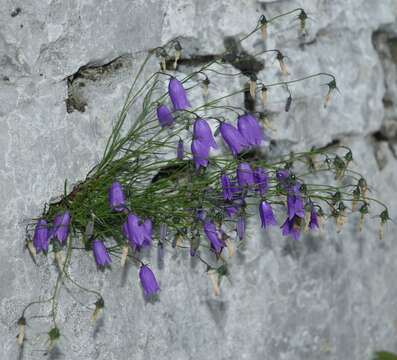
{"points": [[235, 55], [385, 43], [91, 72]]}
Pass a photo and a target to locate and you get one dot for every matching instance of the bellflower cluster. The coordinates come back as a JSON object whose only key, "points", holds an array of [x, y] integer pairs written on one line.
{"points": [[149, 191]]}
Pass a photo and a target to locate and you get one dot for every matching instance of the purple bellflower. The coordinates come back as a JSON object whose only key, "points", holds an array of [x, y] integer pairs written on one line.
{"points": [[178, 95], [200, 153], [282, 175], [148, 281], [231, 210], [132, 231], [266, 214], [202, 132], [116, 197], [291, 227], [294, 202], [245, 175], [40, 237], [250, 129], [101, 254], [313, 222], [227, 187], [60, 229], [261, 180], [216, 243], [164, 116], [233, 138]]}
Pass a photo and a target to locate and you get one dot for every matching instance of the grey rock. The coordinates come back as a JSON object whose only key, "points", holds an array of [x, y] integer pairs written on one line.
{"points": [[329, 296]]}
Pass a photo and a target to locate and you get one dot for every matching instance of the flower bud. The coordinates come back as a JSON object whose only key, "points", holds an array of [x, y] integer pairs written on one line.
{"points": [[180, 150], [54, 334], [283, 68], [124, 255], [363, 212], [263, 22], [331, 87], [302, 19], [264, 91], [288, 103], [99, 305], [178, 49], [252, 85], [31, 248], [214, 278], [21, 330]]}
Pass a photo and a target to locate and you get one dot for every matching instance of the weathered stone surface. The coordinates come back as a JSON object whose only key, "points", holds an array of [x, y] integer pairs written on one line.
{"points": [[326, 297]]}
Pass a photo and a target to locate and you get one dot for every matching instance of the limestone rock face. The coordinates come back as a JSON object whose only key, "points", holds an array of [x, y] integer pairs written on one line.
{"points": [[65, 67]]}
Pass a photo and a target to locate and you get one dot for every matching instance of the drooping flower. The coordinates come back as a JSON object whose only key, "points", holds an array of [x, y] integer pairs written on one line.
{"points": [[202, 132], [212, 235], [116, 197], [292, 227], [40, 237], [148, 281], [180, 150], [240, 227], [231, 210], [101, 254], [250, 129], [266, 214], [178, 95], [200, 214], [60, 229], [261, 180], [282, 175], [226, 187], [233, 138], [164, 116], [245, 175], [313, 223], [295, 206], [200, 153], [133, 231]]}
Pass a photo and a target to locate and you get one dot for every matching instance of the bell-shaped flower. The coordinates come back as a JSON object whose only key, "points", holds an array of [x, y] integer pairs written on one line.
{"points": [[133, 231], [261, 180], [295, 202], [116, 197], [216, 243], [245, 175], [292, 227], [60, 229], [227, 187], [164, 116], [282, 175], [233, 138], [101, 254], [148, 281], [200, 153], [231, 210], [313, 223], [178, 95], [250, 129], [202, 132], [266, 214], [40, 237]]}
